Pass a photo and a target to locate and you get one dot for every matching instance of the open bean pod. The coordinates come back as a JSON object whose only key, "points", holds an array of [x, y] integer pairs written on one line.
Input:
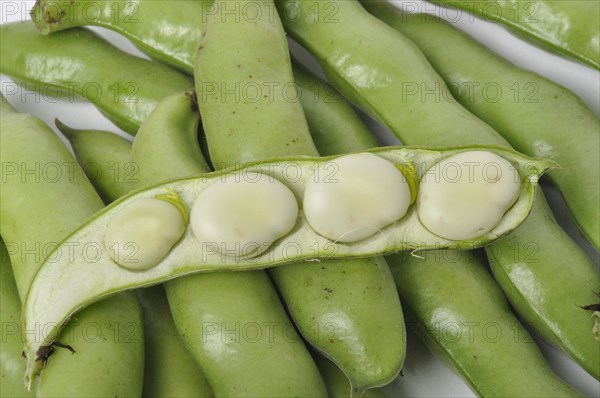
{"points": [[150, 237]]}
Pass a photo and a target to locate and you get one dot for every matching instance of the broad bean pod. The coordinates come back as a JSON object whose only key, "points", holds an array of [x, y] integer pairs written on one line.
{"points": [[568, 27], [534, 255], [48, 306], [123, 87], [112, 175], [98, 366], [169, 368]]}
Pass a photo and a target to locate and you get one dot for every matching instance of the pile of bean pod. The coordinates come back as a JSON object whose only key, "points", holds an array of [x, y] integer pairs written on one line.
{"points": [[230, 142]]}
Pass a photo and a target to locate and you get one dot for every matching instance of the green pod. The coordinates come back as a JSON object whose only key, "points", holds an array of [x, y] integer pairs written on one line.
{"points": [[360, 332], [382, 92], [248, 346], [167, 33], [318, 301], [215, 311], [107, 336], [112, 176], [464, 318], [568, 27], [77, 62], [253, 83], [170, 133], [550, 298], [12, 365], [532, 113], [169, 368], [473, 300], [50, 307]]}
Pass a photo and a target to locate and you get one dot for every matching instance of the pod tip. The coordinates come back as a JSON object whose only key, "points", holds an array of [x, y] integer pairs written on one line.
{"points": [[67, 131]]}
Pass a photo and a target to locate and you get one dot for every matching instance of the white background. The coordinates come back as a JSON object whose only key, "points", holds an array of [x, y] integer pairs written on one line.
{"points": [[424, 376]]}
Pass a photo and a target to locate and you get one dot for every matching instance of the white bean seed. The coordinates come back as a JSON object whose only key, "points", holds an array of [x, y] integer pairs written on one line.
{"points": [[465, 196], [243, 214], [142, 233], [354, 196]]}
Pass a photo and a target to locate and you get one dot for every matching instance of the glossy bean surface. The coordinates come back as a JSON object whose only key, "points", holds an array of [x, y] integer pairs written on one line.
{"points": [[167, 33], [123, 87], [569, 27]]}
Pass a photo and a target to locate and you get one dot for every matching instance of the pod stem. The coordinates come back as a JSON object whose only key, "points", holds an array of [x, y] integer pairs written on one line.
{"points": [[409, 172], [173, 198]]}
